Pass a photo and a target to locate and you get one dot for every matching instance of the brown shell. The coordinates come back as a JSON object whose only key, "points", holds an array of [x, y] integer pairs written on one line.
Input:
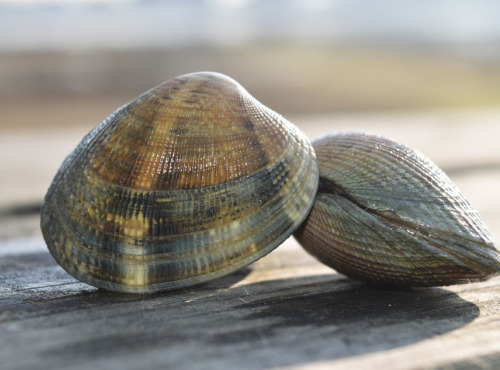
{"points": [[387, 215], [192, 180]]}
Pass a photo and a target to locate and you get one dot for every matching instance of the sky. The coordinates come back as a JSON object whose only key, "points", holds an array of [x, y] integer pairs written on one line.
{"points": [[115, 24]]}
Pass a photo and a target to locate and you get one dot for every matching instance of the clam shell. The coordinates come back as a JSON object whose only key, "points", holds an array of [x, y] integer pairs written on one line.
{"points": [[387, 215], [191, 181]]}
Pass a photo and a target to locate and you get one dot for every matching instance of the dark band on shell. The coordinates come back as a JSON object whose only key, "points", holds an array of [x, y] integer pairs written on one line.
{"points": [[192, 180]]}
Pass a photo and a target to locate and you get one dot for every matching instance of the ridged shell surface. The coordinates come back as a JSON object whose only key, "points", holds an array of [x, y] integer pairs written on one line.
{"points": [[387, 215], [192, 180]]}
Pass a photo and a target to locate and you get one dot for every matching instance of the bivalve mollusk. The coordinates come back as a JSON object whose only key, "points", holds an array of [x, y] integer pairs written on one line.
{"points": [[387, 215], [191, 181]]}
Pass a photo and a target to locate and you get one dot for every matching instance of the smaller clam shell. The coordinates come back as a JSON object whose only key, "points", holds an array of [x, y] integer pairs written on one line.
{"points": [[387, 215]]}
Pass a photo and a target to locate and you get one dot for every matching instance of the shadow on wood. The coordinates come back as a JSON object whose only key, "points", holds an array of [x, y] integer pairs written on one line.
{"points": [[332, 322], [51, 319]]}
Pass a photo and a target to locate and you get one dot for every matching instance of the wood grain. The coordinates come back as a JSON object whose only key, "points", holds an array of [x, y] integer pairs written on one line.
{"points": [[286, 310]]}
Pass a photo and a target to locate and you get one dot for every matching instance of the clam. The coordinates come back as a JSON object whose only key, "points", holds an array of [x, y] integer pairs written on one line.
{"points": [[387, 215], [190, 181]]}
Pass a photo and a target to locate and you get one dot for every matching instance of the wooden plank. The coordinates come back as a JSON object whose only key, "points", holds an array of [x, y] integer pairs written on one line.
{"points": [[285, 310]]}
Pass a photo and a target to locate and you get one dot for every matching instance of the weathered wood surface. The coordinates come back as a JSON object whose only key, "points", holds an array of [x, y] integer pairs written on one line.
{"points": [[286, 310]]}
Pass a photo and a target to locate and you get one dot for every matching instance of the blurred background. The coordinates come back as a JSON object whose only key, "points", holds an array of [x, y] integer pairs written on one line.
{"points": [[424, 72]]}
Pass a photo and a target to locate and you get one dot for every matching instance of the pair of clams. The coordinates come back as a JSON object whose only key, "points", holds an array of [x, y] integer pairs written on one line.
{"points": [[195, 179]]}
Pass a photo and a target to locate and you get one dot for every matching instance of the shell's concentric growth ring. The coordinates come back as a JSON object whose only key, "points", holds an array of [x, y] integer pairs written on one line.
{"points": [[387, 215], [191, 181]]}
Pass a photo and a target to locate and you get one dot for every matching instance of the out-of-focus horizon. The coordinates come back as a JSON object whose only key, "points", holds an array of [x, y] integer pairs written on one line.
{"points": [[469, 27], [297, 56]]}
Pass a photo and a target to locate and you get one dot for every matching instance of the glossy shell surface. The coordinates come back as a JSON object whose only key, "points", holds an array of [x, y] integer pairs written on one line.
{"points": [[192, 180], [387, 215]]}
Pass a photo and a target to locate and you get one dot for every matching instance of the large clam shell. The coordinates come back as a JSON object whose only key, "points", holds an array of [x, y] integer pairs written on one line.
{"points": [[192, 180], [387, 215]]}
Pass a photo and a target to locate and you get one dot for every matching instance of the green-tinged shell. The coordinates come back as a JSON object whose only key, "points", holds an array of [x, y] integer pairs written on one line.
{"points": [[387, 215], [191, 181]]}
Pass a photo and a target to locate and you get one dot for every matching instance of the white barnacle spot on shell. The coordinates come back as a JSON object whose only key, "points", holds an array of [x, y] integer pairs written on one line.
{"points": [[135, 276]]}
